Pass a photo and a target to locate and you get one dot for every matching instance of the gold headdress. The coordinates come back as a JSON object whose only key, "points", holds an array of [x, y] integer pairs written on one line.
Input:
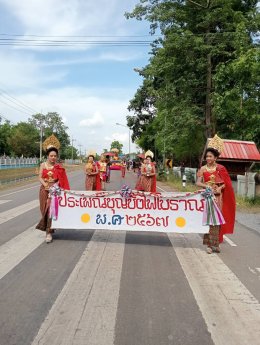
{"points": [[91, 153], [216, 143], [115, 150], [51, 141], [148, 153]]}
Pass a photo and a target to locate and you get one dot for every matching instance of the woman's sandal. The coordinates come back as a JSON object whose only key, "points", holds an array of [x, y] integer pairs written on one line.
{"points": [[209, 250], [48, 238]]}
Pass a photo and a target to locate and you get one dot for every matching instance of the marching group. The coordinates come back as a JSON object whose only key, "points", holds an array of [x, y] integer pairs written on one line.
{"points": [[212, 177]]}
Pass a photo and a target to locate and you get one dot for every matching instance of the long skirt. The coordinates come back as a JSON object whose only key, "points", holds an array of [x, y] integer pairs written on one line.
{"points": [[212, 238], [90, 183], [45, 222], [146, 183]]}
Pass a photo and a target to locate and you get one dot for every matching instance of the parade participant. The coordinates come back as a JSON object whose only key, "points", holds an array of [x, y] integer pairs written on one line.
{"points": [[215, 177], [103, 171], [50, 173], [123, 168], [148, 174], [116, 162], [92, 181], [108, 169], [139, 185]]}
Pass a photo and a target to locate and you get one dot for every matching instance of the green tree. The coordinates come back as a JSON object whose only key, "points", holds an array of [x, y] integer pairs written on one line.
{"points": [[53, 123], [180, 101], [5, 132], [24, 140], [116, 145]]}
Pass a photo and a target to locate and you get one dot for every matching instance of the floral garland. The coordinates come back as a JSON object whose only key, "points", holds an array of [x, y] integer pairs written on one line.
{"points": [[211, 213], [126, 191]]}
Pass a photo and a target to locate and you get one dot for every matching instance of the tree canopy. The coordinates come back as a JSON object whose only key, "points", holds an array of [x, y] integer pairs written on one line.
{"points": [[116, 145], [202, 76], [23, 138]]}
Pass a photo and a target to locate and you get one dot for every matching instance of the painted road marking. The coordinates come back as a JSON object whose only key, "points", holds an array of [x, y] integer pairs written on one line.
{"points": [[4, 201], [15, 250], [161, 189], [231, 312], [85, 311], [17, 211], [18, 191], [228, 240]]}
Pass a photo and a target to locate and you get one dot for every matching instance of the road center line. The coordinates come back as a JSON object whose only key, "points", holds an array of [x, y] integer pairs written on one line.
{"points": [[15, 250], [85, 310], [231, 312], [17, 211]]}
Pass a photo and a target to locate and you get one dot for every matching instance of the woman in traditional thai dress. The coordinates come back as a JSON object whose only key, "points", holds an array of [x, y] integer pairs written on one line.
{"points": [[123, 168], [108, 169], [215, 177], [147, 181], [103, 171], [92, 181], [50, 173]]}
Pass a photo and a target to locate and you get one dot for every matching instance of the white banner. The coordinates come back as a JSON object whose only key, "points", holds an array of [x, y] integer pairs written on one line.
{"points": [[162, 212]]}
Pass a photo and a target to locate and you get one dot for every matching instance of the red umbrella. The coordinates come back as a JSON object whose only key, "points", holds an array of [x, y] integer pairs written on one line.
{"points": [[141, 155], [110, 154]]}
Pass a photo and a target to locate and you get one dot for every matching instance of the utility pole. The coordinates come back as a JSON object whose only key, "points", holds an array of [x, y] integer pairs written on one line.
{"points": [[80, 151], [72, 141], [41, 135]]}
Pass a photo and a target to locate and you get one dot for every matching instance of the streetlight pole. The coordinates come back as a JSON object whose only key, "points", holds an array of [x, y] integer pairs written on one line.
{"points": [[129, 143]]}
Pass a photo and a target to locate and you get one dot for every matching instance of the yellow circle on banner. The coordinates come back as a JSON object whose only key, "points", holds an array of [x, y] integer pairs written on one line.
{"points": [[85, 218], [180, 222]]}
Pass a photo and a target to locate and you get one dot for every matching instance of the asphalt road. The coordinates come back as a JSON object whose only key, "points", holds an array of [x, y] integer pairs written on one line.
{"points": [[101, 287]]}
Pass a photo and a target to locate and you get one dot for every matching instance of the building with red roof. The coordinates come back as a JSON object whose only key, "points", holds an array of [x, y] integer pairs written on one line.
{"points": [[238, 156]]}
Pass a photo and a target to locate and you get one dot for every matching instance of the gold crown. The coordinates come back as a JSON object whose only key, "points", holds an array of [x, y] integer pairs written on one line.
{"points": [[148, 153], [115, 150], [51, 141], [91, 153], [216, 143]]}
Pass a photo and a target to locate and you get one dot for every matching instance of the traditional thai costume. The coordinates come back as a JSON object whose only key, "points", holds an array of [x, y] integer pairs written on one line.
{"points": [[92, 182], [103, 170], [225, 200], [50, 175], [147, 181]]}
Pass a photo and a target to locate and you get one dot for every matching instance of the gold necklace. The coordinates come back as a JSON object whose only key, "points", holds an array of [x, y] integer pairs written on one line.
{"points": [[49, 167], [214, 167]]}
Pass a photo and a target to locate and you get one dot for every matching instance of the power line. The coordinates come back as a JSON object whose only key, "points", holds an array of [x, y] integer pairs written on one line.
{"points": [[16, 102], [5, 118], [22, 111], [74, 36]]}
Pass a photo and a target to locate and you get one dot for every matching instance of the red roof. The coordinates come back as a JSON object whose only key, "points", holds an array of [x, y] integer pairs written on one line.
{"points": [[240, 150]]}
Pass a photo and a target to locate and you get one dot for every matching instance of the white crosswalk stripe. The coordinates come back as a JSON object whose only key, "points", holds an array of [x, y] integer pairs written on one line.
{"points": [[17, 211], [18, 248], [4, 201], [85, 311], [231, 312]]}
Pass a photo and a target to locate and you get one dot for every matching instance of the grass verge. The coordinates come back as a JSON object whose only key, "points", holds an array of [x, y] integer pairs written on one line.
{"points": [[10, 177]]}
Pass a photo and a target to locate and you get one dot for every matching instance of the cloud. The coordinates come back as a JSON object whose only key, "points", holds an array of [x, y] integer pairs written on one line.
{"points": [[25, 72], [121, 137], [96, 120], [70, 17]]}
